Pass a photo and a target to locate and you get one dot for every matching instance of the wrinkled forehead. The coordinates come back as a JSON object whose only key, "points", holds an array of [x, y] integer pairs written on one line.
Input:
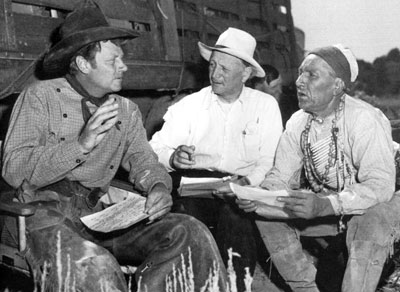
{"points": [[225, 59], [316, 63]]}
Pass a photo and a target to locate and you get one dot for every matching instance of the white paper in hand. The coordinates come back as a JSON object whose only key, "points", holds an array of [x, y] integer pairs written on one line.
{"points": [[266, 201], [118, 216]]}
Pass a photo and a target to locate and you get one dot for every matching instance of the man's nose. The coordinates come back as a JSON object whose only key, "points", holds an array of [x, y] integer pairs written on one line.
{"points": [[215, 73], [299, 81], [122, 66]]}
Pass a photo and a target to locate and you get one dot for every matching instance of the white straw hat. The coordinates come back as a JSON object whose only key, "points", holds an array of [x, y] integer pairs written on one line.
{"points": [[237, 43]]}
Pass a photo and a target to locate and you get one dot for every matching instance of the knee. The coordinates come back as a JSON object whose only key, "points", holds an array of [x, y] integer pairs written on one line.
{"points": [[277, 236], [82, 268], [186, 223], [101, 266], [93, 256], [372, 226]]}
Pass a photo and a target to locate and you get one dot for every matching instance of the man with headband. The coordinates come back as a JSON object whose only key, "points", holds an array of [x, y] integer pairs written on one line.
{"points": [[344, 148]]}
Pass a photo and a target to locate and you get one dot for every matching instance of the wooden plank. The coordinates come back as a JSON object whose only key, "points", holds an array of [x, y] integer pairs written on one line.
{"points": [[144, 75], [134, 10], [225, 5], [36, 38], [130, 10], [143, 48], [30, 25], [56, 4], [7, 29], [165, 14], [254, 10], [17, 208]]}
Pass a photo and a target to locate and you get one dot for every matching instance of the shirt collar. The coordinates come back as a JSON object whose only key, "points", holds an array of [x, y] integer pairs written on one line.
{"points": [[214, 98]]}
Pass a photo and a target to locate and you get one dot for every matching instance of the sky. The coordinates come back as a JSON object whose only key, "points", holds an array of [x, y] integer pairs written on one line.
{"points": [[370, 28]]}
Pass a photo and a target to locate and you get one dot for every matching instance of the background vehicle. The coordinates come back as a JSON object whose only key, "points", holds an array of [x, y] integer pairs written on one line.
{"points": [[164, 64]]}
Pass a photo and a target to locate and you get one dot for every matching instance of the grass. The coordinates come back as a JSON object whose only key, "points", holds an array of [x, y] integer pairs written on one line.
{"points": [[182, 278]]}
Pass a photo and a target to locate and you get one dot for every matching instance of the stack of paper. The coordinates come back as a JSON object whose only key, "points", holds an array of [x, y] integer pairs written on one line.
{"points": [[200, 187]]}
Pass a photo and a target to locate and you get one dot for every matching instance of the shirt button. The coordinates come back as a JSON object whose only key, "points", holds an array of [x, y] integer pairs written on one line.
{"points": [[62, 139], [111, 166], [65, 115], [58, 90], [78, 161]]}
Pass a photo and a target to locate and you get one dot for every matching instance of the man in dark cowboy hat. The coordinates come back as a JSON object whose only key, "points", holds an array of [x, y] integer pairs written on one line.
{"points": [[66, 140]]}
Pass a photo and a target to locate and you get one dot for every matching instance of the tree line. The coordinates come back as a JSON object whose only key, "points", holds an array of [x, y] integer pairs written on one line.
{"points": [[382, 77]]}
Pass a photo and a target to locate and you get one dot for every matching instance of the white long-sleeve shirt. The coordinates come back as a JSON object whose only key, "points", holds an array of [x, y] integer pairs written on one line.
{"points": [[241, 140], [366, 144]]}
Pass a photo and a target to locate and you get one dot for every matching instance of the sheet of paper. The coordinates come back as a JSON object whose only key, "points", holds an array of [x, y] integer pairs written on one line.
{"points": [[267, 205], [200, 187], [192, 180], [118, 216]]}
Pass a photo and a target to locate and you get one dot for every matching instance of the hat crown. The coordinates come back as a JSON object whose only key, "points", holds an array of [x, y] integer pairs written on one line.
{"points": [[83, 19], [237, 40]]}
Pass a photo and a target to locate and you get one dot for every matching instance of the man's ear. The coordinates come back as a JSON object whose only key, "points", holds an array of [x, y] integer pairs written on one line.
{"points": [[339, 87], [248, 70], [82, 64]]}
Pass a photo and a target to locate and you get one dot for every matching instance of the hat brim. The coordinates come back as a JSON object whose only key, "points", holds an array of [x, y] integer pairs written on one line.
{"points": [[60, 54], [205, 52]]}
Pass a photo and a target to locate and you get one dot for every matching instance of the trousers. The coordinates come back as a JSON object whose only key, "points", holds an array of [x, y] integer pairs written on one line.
{"points": [[232, 229], [78, 259], [369, 241]]}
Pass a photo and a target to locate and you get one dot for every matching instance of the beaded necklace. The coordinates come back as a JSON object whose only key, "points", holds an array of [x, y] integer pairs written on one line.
{"points": [[317, 181]]}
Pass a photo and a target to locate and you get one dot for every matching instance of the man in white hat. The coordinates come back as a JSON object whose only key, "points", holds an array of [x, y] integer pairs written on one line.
{"points": [[67, 138], [344, 147], [224, 129]]}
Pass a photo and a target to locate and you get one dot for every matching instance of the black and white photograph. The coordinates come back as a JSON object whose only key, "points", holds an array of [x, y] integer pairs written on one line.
{"points": [[199, 146]]}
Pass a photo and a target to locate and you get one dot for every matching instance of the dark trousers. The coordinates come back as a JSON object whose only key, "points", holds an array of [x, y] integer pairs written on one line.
{"points": [[231, 227], [86, 261]]}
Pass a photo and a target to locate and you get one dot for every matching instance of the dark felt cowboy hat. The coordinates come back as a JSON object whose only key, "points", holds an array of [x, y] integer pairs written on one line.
{"points": [[80, 28]]}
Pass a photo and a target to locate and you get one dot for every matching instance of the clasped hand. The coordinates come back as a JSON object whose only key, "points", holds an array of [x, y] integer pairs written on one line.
{"points": [[183, 157]]}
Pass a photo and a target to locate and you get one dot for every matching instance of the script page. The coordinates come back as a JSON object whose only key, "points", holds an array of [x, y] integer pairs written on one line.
{"points": [[118, 216], [267, 204]]}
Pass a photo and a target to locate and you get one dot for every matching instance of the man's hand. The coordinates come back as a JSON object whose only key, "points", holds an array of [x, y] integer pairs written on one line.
{"points": [[103, 119], [246, 205], [159, 202], [307, 205], [225, 191], [182, 158]]}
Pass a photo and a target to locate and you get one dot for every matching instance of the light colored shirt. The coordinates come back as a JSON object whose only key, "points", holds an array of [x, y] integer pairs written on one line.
{"points": [[239, 139], [42, 146], [366, 144]]}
